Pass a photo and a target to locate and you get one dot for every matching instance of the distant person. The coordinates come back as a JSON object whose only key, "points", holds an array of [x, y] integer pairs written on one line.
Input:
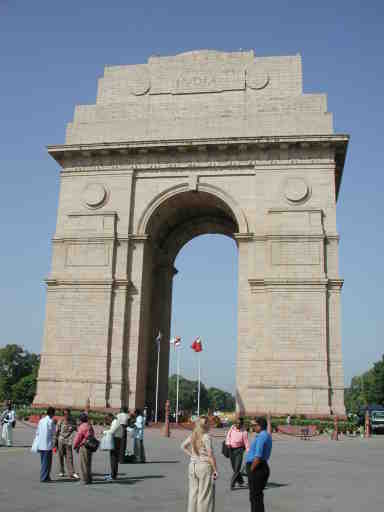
{"points": [[138, 436], [84, 431], [45, 435], [288, 420], [257, 465], [123, 418], [237, 441], [116, 431], [202, 468], [8, 422], [65, 433], [146, 416]]}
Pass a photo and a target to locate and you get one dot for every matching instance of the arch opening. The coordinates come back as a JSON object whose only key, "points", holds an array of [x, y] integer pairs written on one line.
{"points": [[187, 215], [175, 222], [204, 304]]}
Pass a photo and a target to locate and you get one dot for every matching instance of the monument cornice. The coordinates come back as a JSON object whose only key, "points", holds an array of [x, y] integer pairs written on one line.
{"points": [[57, 151], [314, 284], [120, 150], [227, 166], [91, 239], [53, 282]]}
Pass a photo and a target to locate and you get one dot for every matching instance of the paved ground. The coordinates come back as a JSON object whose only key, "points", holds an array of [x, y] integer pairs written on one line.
{"points": [[307, 476]]}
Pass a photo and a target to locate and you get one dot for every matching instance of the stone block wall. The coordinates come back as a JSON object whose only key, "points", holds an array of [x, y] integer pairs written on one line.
{"points": [[203, 142]]}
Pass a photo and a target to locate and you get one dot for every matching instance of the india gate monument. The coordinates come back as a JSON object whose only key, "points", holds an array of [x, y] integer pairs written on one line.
{"points": [[196, 143]]}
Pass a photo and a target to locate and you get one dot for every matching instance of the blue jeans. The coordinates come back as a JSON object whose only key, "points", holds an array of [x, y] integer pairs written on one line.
{"points": [[46, 464]]}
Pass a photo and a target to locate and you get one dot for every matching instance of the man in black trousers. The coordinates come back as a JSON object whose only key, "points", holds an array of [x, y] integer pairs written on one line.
{"points": [[257, 465]]}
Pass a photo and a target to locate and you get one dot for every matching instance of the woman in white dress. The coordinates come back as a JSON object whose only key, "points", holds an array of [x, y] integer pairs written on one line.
{"points": [[202, 470], [8, 420]]}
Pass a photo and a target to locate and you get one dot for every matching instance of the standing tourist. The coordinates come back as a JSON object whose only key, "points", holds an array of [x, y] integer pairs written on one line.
{"points": [[8, 422], [123, 418], [202, 468], [237, 441], [45, 435], [65, 434], [138, 450], [84, 432], [145, 414], [116, 432], [257, 465]]}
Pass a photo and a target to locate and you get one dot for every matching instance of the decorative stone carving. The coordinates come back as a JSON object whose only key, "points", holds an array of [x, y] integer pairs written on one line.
{"points": [[140, 82], [192, 82], [94, 195], [257, 77], [296, 190]]}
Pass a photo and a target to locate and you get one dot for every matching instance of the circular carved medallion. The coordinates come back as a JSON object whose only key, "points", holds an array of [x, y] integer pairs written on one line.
{"points": [[296, 190], [94, 195], [257, 77]]}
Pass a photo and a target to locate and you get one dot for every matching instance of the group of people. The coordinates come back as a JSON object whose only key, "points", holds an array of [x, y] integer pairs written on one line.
{"points": [[203, 472], [66, 436], [8, 422]]}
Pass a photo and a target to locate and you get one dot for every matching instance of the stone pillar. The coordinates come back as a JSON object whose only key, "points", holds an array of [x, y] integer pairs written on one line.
{"points": [[243, 328], [160, 320], [75, 356], [138, 315], [336, 373], [167, 432], [117, 393]]}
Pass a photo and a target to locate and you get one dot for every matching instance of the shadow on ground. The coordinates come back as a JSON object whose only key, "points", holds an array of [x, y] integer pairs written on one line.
{"points": [[128, 480], [274, 485]]}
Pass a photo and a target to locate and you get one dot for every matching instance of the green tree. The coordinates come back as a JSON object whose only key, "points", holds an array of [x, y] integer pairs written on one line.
{"points": [[23, 392], [187, 394], [15, 364], [212, 398], [220, 400], [365, 389]]}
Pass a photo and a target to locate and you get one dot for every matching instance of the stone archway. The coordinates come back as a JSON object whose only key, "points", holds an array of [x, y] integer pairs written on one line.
{"points": [[175, 220], [202, 142]]}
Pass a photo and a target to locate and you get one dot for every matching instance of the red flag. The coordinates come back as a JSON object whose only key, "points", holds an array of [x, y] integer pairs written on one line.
{"points": [[197, 345]]}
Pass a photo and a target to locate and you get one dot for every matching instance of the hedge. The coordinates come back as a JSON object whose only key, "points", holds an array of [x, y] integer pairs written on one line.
{"points": [[95, 417]]}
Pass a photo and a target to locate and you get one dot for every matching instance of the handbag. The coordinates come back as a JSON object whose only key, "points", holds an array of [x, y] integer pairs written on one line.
{"points": [[35, 445], [91, 443], [226, 450]]}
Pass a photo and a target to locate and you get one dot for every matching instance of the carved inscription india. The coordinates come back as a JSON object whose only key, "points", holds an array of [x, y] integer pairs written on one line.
{"points": [[192, 82]]}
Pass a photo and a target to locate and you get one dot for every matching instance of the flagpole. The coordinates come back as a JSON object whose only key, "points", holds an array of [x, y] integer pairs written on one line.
{"points": [[177, 383], [157, 380], [198, 388]]}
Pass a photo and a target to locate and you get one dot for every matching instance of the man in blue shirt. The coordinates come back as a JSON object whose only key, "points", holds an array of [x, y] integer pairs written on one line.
{"points": [[257, 465]]}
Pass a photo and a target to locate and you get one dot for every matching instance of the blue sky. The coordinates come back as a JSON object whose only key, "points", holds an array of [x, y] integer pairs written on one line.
{"points": [[51, 55]]}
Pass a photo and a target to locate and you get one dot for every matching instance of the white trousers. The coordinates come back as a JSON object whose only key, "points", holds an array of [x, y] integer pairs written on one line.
{"points": [[6, 434], [201, 496]]}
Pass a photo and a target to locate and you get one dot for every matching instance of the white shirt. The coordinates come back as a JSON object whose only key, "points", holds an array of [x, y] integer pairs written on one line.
{"points": [[123, 417], [8, 416], [45, 433], [116, 429], [139, 428]]}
